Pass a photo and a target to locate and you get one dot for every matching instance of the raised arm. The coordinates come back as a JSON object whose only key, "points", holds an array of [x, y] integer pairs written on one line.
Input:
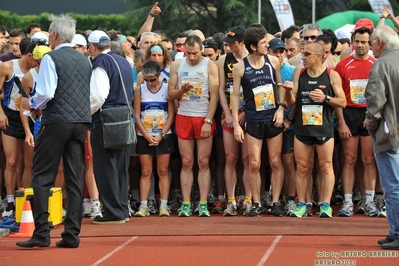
{"points": [[147, 26]]}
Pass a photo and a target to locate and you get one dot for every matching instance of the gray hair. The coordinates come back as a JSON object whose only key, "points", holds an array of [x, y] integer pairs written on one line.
{"points": [[64, 25], [313, 27], [388, 36], [296, 40], [151, 68], [148, 33]]}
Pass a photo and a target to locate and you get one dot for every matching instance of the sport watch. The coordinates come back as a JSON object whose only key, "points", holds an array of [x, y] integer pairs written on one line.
{"points": [[208, 120], [327, 99], [163, 135]]}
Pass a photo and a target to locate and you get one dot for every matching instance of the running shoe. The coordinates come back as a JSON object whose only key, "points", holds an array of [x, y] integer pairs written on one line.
{"points": [[175, 204], [195, 205], [346, 210], [9, 210], [309, 209], [266, 203], [86, 208], [371, 210], [255, 210], [289, 207], [96, 209], [300, 210], [325, 210], [185, 210], [276, 210], [164, 210], [203, 210], [246, 207], [380, 203], [218, 206], [143, 211], [231, 209], [361, 205], [152, 206]]}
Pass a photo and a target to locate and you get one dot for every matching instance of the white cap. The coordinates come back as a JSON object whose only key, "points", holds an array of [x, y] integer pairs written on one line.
{"points": [[98, 36], [39, 37], [79, 40]]}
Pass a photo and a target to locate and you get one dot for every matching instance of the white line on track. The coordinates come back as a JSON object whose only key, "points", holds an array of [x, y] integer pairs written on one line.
{"points": [[114, 251], [269, 251]]}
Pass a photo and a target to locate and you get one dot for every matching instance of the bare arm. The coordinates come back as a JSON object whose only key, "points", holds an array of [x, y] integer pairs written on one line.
{"points": [[213, 82], [147, 26], [238, 72], [339, 100], [174, 92], [27, 83], [4, 75]]}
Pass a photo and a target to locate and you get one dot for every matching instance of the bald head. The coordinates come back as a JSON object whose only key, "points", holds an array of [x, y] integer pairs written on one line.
{"points": [[316, 48], [199, 34]]}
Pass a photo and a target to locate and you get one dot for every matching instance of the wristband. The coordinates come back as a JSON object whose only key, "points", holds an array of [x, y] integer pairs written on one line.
{"points": [[152, 15]]}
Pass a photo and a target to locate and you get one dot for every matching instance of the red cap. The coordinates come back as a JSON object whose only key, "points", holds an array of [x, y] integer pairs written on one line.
{"points": [[364, 22], [181, 49]]}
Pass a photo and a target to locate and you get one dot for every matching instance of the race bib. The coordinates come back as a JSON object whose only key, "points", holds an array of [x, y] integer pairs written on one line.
{"points": [[312, 115], [154, 121], [357, 90], [195, 94], [264, 97]]}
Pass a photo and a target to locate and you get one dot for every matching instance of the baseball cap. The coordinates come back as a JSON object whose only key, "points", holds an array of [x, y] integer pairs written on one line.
{"points": [[98, 36], [39, 37], [364, 22], [341, 34], [234, 34], [275, 44], [39, 51], [79, 40]]}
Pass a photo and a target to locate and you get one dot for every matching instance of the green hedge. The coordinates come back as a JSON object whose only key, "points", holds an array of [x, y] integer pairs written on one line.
{"points": [[84, 22]]}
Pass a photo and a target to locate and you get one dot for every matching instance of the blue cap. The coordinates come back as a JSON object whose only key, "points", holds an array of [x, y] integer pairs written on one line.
{"points": [[275, 44]]}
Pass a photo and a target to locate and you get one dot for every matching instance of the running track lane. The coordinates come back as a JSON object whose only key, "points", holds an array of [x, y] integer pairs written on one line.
{"points": [[205, 250]]}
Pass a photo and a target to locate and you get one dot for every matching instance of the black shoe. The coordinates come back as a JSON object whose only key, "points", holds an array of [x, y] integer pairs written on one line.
{"points": [[276, 210], [32, 243], [388, 239], [64, 244], [255, 210], [103, 220], [391, 245]]}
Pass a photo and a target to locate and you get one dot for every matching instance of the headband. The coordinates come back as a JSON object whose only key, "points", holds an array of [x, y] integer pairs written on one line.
{"points": [[156, 48], [121, 39]]}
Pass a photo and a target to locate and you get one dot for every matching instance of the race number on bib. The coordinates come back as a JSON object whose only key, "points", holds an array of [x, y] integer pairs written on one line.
{"points": [[312, 115], [357, 89], [153, 121], [195, 94], [264, 97]]}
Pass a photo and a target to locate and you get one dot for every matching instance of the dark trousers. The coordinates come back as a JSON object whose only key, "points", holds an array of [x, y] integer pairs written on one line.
{"points": [[53, 142], [111, 174]]}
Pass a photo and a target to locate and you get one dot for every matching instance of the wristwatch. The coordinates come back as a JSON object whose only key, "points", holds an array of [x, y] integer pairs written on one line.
{"points": [[163, 135], [283, 105], [382, 16], [290, 118], [208, 121], [327, 99]]}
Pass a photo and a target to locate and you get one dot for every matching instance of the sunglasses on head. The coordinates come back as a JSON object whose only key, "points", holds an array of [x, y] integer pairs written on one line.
{"points": [[150, 80], [312, 37]]}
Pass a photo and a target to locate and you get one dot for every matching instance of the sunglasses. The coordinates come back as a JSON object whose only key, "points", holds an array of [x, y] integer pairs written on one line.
{"points": [[150, 80], [312, 37], [337, 53], [178, 45]]}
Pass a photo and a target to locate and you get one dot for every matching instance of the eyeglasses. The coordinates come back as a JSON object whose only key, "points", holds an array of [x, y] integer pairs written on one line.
{"points": [[178, 45], [77, 46], [306, 54], [150, 80], [312, 37]]}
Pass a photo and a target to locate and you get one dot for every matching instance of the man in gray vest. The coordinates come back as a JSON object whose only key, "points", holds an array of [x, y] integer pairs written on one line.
{"points": [[63, 93]]}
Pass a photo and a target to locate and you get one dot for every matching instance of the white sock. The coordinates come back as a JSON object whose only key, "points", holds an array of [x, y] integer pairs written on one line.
{"points": [[164, 202], [369, 196], [10, 198], [144, 203], [348, 198]]}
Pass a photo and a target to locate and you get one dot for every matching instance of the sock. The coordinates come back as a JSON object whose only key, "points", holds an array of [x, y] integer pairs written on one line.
{"points": [[144, 203], [164, 202], [248, 198], [369, 196], [203, 202], [221, 197], [309, 204], [231, 199], [290, 198], [10, 198], [187, 201], [348, 198]]}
